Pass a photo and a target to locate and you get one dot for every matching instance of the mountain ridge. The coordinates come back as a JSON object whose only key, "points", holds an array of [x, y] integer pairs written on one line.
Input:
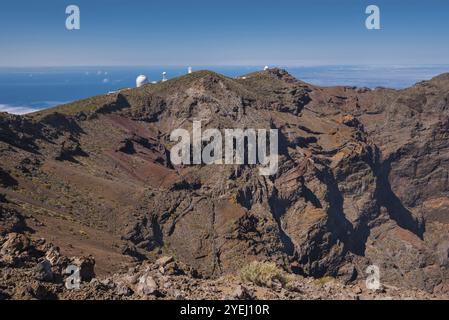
{"points": [[363, 177]]}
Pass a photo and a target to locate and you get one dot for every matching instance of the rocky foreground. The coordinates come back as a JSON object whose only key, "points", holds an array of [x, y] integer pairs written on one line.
{"points": [[37, 270], [363, 180]]}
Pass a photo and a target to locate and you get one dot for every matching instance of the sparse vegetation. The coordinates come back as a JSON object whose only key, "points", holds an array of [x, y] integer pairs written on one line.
{"points": [[264, 274], [83, 233], [324, 280]]}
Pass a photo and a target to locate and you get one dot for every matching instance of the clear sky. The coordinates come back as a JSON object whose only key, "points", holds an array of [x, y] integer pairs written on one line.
{"points": [[231, 32]]}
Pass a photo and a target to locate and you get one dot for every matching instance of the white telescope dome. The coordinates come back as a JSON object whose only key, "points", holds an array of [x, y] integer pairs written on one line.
{"points": [[141, 80]]}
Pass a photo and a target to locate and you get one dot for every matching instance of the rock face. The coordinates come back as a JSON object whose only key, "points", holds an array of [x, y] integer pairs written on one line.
{"points": [[362, 179]]}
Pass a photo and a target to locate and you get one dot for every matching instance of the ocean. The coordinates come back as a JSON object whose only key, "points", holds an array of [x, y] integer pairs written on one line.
{"points": [[24, 90]]}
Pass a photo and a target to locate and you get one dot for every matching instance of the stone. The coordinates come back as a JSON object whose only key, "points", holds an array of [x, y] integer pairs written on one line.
{"points": [[131, 279], [42, 271], [178, 295], [146, 285], [357, 290], [123, 290], [24, 292], [295, 286], [242, 293], [87, 267], [53, 255], [40, 292], [10, 260], [132, 251], [15, 244], [108, 283], [276, 285], [163, 261], [4, 294], [347, 273]]}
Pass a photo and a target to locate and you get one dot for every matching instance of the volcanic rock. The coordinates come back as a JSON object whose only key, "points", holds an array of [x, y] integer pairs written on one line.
{"points": [[362, 180]]}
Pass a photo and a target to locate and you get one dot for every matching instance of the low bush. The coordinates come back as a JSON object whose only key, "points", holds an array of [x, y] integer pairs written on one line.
{"points": [[263, 274]]}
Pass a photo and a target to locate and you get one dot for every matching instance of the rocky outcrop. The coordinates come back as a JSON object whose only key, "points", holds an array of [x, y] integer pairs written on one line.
{"points": [[41, 279]]}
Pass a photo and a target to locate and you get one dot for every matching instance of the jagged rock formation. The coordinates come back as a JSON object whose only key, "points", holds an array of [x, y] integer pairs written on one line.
{"points": [[363, 178]]}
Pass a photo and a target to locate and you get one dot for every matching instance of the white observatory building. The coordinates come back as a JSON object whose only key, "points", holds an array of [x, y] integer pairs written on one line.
{"points": [[141, 80]]}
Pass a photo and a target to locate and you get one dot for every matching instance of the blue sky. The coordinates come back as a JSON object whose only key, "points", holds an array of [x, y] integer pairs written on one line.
{"points": [[243, 32]]}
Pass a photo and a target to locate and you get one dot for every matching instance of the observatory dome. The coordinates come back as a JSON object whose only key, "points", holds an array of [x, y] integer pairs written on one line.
{"points": [[141, 80]]}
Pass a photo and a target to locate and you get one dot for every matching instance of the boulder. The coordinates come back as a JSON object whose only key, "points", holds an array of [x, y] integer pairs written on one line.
{"points": [[41, 292], [347, 273], [42, 271], [15, 244], [146, 285], [53, 255], [87, 267], [4, 294], [123, 290], [172, 269], [242, 293], [163, 261]]}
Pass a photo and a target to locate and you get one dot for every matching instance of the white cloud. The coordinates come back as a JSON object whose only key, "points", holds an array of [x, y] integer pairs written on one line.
{"points": [[16, 109]]}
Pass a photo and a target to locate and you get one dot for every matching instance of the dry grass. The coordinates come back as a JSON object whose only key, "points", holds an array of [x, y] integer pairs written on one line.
{"points": [[263, 274], [324, 280]]}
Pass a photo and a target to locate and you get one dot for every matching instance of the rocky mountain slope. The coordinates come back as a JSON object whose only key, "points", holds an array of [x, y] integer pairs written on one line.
{"points": [[362, 180]]}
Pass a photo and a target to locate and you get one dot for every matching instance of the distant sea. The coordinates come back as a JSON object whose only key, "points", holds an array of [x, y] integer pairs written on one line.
{"points": [[24, 90]]}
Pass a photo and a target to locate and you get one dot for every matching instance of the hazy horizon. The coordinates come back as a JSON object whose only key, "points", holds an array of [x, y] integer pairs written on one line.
{"points": [[372, 66], [324, 42]]}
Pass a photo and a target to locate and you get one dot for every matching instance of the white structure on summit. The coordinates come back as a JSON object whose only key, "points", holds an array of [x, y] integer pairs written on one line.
{"points": [[189, 70], [164, 76], [266, 68], [141, 80]]}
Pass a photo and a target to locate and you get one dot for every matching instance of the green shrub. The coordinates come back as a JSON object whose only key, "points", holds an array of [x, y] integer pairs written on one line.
{"points": [[263, 274]]}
